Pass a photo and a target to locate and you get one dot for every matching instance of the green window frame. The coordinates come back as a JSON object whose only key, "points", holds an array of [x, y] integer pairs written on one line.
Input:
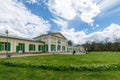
{"points": [[0, 46], [9, 46], [31, 47], [63, 48], [4, 46], [53, 48], [39, 47], [23, 47], [20, 47], [46, 47], [43, 48]]}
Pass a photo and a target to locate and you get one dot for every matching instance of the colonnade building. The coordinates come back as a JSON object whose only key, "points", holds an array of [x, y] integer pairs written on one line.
{"points": [[51, 42]]}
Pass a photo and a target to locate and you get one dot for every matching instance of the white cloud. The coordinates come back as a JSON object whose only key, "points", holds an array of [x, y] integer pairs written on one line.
{"points": [[62, 8], [75, 37], [19, 20], [62, 23], [111, 33], [96, 1], [32, 1], [15, 17], [97, 25], [86, 10], [107, 4]]}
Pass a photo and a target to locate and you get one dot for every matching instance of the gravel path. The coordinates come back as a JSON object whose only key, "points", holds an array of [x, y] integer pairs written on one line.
{"points": [[22, 55]]}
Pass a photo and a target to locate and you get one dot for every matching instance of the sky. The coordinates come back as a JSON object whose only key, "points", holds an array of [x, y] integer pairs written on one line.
{"points": [[80, 21]]}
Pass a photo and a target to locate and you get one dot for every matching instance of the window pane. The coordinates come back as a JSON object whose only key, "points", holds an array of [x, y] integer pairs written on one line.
{"points": [[4, 46], [31, 47]]}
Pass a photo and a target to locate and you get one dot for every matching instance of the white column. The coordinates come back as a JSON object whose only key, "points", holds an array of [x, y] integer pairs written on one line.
{"points": [[56, 44], [66, 45], [14, 45], [11, 42], [61, 46], [49, 44], [36, 47], [26, 48]]}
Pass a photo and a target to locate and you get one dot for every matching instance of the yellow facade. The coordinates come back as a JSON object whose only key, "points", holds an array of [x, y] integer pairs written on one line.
{"points": [[51, 40], [16, 41]]}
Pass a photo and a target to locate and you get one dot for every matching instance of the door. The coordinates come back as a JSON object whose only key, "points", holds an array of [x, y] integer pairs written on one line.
{"points": [[58, 48]]}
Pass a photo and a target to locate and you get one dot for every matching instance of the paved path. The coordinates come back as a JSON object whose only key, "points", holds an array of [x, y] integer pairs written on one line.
{"points": [[22, 55]]}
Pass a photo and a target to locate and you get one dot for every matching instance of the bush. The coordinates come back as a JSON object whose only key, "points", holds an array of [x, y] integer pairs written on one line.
{"points": [[93, 67]]}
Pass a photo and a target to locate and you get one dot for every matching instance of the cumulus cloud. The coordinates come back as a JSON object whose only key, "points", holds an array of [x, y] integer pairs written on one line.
{"points": [[62, 8], [111, 34], [75, 37], [107, 4], [15, 17], [31, 1], [61, 23], [86, 10]]}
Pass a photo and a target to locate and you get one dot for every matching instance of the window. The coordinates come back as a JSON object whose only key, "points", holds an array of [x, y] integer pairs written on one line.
{"points": [[59, 42], [46, 47], [4, 46], [20, 47], [53, 48], [40, 48], [63, 48], [31, 47]]}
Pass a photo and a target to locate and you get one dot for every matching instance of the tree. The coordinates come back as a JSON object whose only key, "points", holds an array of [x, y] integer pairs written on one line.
{"points": [[49, 32], [70, 43]]}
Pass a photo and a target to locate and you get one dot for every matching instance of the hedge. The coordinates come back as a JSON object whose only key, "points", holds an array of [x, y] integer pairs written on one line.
{"points": [[94, 67]]}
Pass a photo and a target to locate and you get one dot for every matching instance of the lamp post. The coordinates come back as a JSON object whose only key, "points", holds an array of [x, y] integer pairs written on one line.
{"points": [[7, 43]]}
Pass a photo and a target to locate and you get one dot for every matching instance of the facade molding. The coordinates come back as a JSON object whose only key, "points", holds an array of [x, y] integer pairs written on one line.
{"points": [[49, 44]]}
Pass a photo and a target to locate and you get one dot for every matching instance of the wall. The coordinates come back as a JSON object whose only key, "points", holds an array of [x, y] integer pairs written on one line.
{"points": [[52, 41], [15, 42]]}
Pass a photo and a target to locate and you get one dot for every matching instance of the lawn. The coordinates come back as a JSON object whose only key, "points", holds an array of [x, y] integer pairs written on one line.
{"points": [[93, 58], [83, 59], [16, 73]]}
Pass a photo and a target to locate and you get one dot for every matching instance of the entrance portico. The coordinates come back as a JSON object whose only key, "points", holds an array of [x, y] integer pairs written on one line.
{"points": [[56, 42]]}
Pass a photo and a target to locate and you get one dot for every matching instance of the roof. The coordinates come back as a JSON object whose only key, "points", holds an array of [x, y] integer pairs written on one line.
{"points": [[21, 38], [52, 34]]}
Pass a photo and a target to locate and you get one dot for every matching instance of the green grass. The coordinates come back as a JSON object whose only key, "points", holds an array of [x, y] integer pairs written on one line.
{"points": [[24, 73], [16, 73], [83, 59]]}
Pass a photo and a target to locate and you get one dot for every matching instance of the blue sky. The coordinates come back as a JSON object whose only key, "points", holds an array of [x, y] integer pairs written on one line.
{"points": [[104, 19], [78, 20]]}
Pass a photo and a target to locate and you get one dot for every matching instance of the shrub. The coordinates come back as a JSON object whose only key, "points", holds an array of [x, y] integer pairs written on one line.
{"points": [[93, 67]]}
